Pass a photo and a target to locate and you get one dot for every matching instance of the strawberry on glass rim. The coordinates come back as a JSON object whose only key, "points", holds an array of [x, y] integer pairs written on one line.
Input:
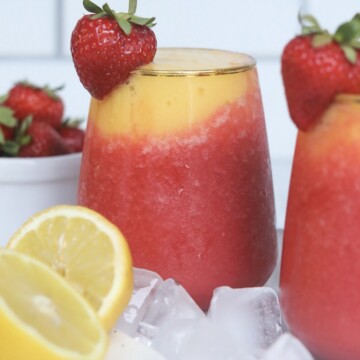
{"points": [[316, 66], [107, 46]]}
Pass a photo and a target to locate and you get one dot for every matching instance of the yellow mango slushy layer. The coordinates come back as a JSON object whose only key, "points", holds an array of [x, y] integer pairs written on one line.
{"points": [[189, 87]]}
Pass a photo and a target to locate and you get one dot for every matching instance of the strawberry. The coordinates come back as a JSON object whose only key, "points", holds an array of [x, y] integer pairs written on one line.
{"points": [[44, 141], [72, 135], [7, 132], [41, 103], [107, 46], [317, 66]]}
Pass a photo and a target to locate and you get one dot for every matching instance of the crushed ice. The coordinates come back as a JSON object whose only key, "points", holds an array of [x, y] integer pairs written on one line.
{"points": [[162, 322]]}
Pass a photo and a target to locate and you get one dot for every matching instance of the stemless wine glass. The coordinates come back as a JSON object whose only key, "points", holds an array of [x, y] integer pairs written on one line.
{"points": [[320, 269], [178, 158]]}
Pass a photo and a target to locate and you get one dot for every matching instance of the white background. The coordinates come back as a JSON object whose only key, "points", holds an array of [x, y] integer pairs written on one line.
{"points": [[35, 45]]}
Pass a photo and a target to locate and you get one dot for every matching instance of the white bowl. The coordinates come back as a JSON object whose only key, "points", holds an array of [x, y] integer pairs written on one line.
{"points": [[28, 185]]}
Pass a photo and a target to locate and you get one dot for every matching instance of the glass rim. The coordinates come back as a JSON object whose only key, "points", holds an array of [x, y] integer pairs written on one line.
{"points": [[346, 98], [223, 70]]}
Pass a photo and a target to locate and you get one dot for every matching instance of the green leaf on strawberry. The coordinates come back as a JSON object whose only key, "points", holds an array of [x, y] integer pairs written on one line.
{"points": [[21, 134], [350, 53], [10, 148], [92, 7], [347, 32], [7, 117], [124, 20], [321, 39], [21, 138], [309, 25], [347, 35]]}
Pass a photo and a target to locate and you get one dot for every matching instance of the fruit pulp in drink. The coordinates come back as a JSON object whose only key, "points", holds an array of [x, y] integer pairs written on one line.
{"points": [[320, 261], [178, 158]]}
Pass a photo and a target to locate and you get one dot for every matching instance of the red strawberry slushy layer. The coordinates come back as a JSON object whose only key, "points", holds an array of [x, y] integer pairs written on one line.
{"points": [[195, 204]]}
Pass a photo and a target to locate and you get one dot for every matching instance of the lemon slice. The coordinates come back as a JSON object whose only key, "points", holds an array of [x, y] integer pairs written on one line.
{"points": [[42, 317], [87, 250]]}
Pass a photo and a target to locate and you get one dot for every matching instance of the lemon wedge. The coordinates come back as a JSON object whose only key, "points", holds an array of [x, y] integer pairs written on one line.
{"points": [[42, 317], [87, 250]]}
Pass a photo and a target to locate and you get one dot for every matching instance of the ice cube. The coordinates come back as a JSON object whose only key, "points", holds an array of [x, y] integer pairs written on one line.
{"points": [[124, 347], [170, 302], [173, 337], [197, 339], [287, 347], [250, 316], [145, 284]]}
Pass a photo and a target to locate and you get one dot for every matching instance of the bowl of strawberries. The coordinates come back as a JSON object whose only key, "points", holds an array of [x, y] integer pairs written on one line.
{"points": [[40, 154]]}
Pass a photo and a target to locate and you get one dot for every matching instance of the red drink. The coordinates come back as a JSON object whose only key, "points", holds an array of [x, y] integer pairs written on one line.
{"points": [[178, 159], [320, 265]]}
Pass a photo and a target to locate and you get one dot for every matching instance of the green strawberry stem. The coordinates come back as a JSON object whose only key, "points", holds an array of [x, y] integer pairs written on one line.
{"points": [[124, 20], [347, 35], [132, 6]]}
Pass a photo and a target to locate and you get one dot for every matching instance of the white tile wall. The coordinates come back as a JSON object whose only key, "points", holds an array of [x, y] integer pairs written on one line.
{"points": [[331, 14], [37, 47], [27, 28]]}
